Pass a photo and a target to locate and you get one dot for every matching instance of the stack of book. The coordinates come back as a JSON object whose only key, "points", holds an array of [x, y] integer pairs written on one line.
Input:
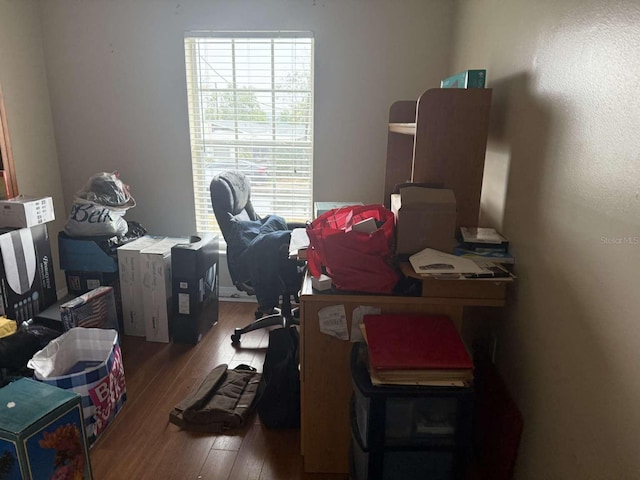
{"points": [[481, 243], [416, 350]]}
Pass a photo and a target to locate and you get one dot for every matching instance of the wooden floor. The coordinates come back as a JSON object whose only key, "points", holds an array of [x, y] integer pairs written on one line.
{"points": [[142, 444]]}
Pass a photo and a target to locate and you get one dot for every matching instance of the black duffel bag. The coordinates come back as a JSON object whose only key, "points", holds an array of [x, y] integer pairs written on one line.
{"points": [[278, 397]]}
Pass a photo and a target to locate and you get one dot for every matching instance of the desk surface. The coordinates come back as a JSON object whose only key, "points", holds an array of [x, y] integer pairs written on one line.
{"points": [[464, 292]]}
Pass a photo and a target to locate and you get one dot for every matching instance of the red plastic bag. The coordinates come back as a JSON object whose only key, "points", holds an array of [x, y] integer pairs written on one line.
{"points": [[355, 261]]}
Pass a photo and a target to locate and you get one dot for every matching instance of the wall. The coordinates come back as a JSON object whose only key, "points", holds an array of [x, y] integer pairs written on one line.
{"points": [[24, 85], [562, 181], [117, 79], [118, 88]]}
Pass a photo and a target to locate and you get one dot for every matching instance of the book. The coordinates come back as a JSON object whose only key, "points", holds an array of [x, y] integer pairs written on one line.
{"points": [[491, 270], [466, 79], [425, 344], [482, 235], [495, 255], [485, 247]]}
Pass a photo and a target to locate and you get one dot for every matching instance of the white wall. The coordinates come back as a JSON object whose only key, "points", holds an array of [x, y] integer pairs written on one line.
{"points": [[24, 85], [117, 80], [562, 181]]}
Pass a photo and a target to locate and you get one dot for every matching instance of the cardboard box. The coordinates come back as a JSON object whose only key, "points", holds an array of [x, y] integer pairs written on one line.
{"points": [[194, 271], [131, 284], [27, 283], [50, 317], [42, 433], [83, 282], [425, 218], [85, 255], [24, 212], [94, 309], [155, 271]]}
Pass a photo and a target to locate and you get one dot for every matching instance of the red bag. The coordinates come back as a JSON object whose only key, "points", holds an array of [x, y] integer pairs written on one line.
{"points": [[354, 260]]}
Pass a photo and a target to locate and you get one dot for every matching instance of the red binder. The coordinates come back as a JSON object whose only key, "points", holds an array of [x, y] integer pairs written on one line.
{"points": [[416, 342]]}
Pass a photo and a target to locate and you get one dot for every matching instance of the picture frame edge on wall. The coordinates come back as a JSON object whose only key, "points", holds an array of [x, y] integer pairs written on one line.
{"points": [[8, 180]]}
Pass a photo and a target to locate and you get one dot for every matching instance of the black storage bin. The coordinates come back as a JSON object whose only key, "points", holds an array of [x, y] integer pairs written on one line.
{"points": [[400, 463], [406, 432]]}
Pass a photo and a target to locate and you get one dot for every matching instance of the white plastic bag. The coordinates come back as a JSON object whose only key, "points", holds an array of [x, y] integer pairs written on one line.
{"points": [[98, 209]]}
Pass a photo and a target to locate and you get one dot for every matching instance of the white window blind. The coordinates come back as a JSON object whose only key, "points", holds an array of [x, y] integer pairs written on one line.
{"points": [[251, 109]]}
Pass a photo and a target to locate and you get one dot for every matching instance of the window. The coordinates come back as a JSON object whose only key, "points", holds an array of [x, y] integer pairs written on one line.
{"points": [[251, 109]]}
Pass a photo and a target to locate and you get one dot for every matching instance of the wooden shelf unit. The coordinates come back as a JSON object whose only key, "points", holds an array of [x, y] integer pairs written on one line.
{"points": [[441, 139]]}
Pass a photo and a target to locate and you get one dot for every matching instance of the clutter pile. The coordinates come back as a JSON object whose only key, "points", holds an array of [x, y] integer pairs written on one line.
{"points": [[71, 344], [119, 280]]}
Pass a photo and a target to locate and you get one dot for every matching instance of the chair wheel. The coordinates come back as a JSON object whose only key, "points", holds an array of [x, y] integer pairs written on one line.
{"points": [[235, 338]]}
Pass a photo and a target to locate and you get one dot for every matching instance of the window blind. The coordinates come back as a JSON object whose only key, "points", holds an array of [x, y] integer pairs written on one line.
{"points": [[250, 98]]}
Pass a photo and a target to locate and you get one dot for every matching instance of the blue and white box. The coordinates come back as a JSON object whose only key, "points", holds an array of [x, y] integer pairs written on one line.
{"points": [[42, 432]]}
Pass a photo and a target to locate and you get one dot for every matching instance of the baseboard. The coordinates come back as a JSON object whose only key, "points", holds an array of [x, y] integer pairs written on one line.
{"points": [[232, 294], [225, 294]]}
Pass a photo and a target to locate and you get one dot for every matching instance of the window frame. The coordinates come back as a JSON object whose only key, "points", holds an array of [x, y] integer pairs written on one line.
{"points": [[269, 195]]}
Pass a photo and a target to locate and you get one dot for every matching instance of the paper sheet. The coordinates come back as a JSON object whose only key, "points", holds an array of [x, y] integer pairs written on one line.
{"points": [[333, 321], [357, 319], [430, 261]]}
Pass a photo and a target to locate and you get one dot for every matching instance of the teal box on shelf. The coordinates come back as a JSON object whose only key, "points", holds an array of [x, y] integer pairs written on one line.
{"points": [[194, 272], [466, 79], [42, 432], [85, 255]]}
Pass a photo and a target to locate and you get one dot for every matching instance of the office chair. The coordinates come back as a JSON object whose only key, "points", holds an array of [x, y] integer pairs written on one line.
{"points": [[231, 201]]}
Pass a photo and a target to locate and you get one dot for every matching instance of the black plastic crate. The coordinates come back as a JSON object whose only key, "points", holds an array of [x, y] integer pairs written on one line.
{"points": [[401, 463], [409, 415]]}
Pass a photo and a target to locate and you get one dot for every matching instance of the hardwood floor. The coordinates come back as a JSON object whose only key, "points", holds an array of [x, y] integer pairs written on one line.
{"points": [[142, 444]]}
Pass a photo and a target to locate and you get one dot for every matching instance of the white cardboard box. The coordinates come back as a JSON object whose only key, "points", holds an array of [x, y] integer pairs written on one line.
{"points": [[155, 270], [131, 284], [26, 212]]}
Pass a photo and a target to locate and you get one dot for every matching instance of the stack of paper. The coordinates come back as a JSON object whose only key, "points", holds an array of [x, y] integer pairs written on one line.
{"points": [[435, 262], [416, 350]]}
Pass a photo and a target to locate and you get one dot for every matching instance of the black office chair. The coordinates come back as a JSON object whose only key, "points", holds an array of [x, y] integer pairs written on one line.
{"points": [[238, 221]]}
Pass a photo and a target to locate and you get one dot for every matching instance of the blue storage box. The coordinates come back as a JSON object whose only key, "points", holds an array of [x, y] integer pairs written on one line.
{"points": [[85, 255], [41, 432]]}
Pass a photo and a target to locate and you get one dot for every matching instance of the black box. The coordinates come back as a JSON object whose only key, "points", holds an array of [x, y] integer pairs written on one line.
{"points": [[408, 432], [26, 273], [194, 272]]}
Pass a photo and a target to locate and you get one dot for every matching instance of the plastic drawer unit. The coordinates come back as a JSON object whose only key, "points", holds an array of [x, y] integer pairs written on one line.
{"points": [[407, 432]]}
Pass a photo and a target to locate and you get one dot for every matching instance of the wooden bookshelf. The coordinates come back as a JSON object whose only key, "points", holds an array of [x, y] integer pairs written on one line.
{"points": [[441, 139]]}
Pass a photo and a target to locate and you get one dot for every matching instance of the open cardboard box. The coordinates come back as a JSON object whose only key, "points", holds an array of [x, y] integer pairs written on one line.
{"points": [[425, 218]]}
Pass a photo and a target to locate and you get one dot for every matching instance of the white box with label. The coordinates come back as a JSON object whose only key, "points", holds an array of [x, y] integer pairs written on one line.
{"points": [[26, 212], [131, 284], [155, 271]]}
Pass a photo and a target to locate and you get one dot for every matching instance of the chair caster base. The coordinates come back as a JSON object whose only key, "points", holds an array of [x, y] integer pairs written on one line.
{"points": [[235, 338]]}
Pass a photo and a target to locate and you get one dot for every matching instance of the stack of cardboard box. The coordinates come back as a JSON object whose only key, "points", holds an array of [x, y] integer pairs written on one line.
{"points": [[27, 284], [169, 287]]}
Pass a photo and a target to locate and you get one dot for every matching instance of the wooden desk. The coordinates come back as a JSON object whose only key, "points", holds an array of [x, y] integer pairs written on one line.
{"points": [[325, 379]]}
